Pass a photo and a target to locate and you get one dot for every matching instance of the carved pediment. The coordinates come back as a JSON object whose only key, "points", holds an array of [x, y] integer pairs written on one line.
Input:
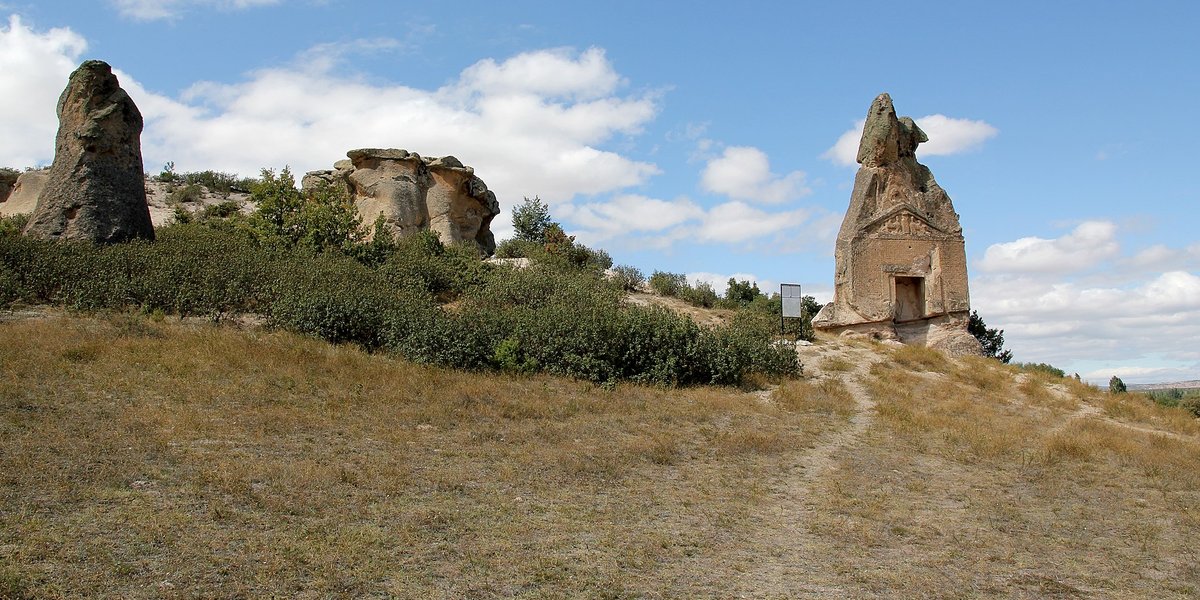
{"points": [[902, 221]]}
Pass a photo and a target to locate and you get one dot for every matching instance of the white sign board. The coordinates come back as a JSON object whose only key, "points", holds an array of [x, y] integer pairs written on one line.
{"points": [[792, 304]]}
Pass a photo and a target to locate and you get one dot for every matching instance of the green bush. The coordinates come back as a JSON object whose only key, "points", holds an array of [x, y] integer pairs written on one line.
{"points": [[555, 316], [320, 219], [514, 248], [187, 193], [667, 284], [628, 278], [702, 294], [1042, 368], [1116, 386], [13, 224]]}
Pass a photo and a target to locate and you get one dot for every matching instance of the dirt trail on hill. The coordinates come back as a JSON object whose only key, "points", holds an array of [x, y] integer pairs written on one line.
{"points": [[792, 562]]}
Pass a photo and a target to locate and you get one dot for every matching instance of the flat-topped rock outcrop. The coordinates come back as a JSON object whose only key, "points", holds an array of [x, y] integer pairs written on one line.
{"points": [[413, 193], [95, 188], [901, 267]]}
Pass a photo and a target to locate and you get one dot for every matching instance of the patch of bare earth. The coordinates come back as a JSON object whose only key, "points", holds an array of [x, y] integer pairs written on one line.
{"points": [[699, 314]]}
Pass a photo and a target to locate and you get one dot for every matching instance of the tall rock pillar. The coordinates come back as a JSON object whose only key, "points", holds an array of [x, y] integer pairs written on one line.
{"points": [[900, 259], [95, 190]]}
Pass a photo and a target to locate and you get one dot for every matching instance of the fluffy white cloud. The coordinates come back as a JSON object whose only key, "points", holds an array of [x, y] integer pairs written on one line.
{"points": [[744, 173], [630, 213], [153, 10], [947, 135], [640, 221], [37, 64], [531, 125], [1088, 244], [521, 141], [1139, 321], [734, 222]]}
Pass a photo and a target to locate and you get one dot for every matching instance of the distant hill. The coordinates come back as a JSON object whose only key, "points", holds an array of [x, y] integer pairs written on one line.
{"points": [[1181, 385]]}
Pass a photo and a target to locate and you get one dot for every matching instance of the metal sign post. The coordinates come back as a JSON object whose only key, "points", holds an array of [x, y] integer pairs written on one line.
{"points": [[793, 304]]}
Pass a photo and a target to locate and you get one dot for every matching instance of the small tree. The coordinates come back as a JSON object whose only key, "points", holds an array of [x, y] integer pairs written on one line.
{"points": [[531, 220], [319, 219], [992, 340], [1116, 386], [741, 292]]}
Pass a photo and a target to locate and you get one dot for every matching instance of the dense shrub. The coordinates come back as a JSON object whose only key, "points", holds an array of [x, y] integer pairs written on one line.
{"points": [[320, 219], [1116, 386], [1043, 368], [702, 294], [667, 284], [628, 278], [554, 316]]}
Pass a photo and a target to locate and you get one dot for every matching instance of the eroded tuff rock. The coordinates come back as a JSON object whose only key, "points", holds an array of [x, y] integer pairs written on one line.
{"points": [[22, 199], [413, 193], [8, 178], [901, 268], [95, 189]]}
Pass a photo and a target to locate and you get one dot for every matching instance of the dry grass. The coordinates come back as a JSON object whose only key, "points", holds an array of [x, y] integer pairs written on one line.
{"points": [[837, 364], [974, 484], [920, 358], [142, 459]]}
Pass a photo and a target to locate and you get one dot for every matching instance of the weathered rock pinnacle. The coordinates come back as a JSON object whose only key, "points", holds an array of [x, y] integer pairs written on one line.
{"points": [[95, 189], [901, 268]]}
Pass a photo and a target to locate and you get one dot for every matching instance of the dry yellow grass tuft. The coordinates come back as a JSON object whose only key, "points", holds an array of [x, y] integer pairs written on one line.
{"points": [[920, 358]]}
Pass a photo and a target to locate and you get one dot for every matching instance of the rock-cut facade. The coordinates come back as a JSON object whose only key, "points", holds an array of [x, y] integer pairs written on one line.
{"points": [[900, 258]]}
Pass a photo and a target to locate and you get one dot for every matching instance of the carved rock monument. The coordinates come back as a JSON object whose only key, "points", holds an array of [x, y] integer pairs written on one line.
{"points": [[414, 193], [901, 267], [95, 189]]}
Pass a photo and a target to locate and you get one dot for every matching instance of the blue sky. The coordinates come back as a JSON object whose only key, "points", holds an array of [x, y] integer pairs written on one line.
{"points": [[702, 137]]}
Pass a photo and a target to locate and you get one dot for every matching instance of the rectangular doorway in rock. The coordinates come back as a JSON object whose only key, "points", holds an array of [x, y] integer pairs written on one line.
{"points": [[910, 298]]}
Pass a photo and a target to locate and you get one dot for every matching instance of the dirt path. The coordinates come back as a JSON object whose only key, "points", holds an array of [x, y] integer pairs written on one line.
{"points": [[792, 562]]}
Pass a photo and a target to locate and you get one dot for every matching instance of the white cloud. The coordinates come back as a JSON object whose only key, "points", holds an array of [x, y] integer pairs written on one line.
{"points": [[744, 173], [634, 220], [845, 150], [551, 73], [1148, 318], [153, 10], [630, 213], [1088, 244], [542, 139], [520, 142], [734, 222], [38, 65], [947, 135], [1130, 374]]}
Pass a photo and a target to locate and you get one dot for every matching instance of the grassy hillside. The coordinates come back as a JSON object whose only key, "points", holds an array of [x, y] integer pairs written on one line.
{"points": [[143, 458]]}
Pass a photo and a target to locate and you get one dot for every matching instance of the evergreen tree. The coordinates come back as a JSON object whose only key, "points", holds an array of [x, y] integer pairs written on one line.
{"points": [[1116, 386], [991, 339], [531, 220]]}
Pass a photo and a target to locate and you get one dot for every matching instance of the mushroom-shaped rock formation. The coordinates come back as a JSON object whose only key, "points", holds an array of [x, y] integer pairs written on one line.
{"points": [[413, 193]]}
